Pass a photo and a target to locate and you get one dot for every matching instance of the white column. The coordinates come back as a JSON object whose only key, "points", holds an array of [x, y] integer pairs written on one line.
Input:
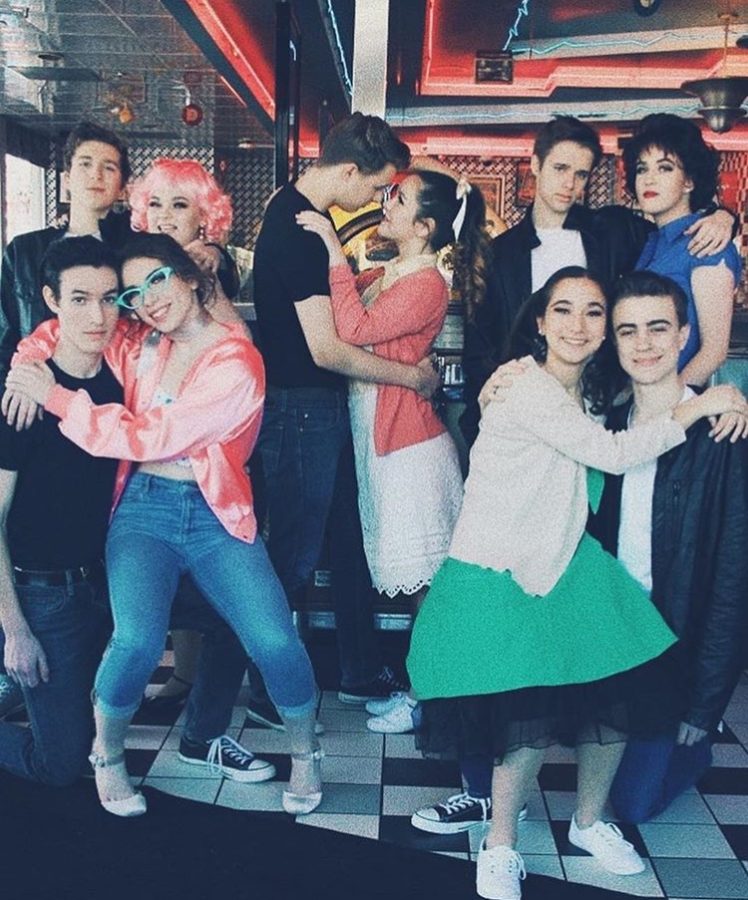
{"points": [[370, 57]]}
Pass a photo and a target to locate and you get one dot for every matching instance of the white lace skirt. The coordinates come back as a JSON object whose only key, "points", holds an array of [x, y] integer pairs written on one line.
{"points": [[409, 501]]}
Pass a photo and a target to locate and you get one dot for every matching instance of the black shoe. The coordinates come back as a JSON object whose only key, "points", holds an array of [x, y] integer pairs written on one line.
{"points": [[168, 702], [382, 686], [262, 711], [224, 756], [456, 814]]}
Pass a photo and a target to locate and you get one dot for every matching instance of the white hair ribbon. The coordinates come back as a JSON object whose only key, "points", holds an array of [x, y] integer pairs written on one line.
{"points": [[461, 193]]}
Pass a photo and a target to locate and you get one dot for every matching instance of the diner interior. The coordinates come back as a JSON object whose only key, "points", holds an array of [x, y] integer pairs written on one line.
{"points": [[249, 88]]}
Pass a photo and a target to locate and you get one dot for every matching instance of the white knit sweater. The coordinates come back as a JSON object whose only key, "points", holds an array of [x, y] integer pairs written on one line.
{"points": [[525, 505]]}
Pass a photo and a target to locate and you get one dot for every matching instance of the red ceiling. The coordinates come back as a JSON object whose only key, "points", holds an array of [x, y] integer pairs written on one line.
{"points": [[454, 32]]}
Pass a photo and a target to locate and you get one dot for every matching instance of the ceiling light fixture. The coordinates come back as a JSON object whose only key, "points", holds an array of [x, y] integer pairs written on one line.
{"points": [[721, 98]]}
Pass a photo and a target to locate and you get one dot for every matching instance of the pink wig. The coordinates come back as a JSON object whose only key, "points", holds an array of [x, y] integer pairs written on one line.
{"points": [[191, 178]]}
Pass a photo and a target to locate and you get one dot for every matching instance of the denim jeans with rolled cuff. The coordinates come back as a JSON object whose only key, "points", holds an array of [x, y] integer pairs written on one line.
{"points": [[161, 530]]}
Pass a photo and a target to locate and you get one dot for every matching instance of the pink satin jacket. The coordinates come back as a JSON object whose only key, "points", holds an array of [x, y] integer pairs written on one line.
{"points": [[214, 419], [400, 325]]}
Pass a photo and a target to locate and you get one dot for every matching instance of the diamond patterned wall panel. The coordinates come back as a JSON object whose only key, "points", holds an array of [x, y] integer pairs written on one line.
{"points": [[247, 176]]}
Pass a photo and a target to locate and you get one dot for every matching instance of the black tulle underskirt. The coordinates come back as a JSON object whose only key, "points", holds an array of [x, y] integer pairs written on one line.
{"points": [[642, 702]]}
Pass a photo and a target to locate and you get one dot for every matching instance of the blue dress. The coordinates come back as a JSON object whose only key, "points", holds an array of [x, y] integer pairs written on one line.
{"points": [[666, 253]]}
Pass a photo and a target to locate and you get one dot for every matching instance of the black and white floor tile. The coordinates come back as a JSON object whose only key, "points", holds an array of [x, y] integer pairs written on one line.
{"points": [[696, 850]]}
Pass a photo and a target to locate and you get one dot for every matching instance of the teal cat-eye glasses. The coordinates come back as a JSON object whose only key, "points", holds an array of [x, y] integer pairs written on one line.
{"points": [[155, 283]]}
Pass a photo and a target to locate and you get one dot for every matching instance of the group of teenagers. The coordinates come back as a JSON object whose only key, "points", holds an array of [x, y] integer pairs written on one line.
{"points": [[585, 585]]}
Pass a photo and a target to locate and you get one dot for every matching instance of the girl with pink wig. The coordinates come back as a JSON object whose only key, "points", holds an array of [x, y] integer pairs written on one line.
{"points": [[180, 198]]}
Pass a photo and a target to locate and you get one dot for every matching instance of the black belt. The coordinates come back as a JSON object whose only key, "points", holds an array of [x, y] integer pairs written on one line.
{"points": [[56, 577]]}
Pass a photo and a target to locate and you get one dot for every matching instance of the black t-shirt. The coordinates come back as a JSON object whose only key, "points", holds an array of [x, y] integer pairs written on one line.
{"points": [[63, 496], [290, 265]]}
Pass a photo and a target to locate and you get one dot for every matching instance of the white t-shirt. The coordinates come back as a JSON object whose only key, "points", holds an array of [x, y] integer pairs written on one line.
{"points": [[635, 530], [559, 247]]}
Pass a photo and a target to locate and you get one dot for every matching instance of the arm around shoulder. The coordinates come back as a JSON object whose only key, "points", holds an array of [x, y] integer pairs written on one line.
{"points": [[539, 405]]}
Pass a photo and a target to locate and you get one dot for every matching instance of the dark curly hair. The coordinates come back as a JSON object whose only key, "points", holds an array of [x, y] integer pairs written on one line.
{"points": [[437, 200], [679, 138], [602, 376]]}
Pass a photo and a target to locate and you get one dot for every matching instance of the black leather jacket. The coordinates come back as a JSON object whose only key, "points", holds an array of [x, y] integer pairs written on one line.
{"points": [[612, 237], [699, 561], [22, 306]]}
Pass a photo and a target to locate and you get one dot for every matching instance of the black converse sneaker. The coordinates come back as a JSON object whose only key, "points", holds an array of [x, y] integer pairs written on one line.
{"points": [[384, 684], [224, 756], [456, 814]]}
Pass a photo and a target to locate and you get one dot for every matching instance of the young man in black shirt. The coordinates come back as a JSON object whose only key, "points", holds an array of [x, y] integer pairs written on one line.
{"points": [[55, 501], [305, 442]]}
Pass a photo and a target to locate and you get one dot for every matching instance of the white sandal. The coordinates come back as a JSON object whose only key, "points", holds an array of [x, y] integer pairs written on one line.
{"points": [[135, 804], [302, 804]]}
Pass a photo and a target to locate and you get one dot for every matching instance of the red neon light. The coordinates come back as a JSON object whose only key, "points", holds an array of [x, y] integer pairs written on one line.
{"points": [[448, 64], [233, 36]]}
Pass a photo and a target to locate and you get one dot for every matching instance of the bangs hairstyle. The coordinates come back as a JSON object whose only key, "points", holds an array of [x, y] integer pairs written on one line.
{"points": [[69, 253], [681, 139], [366, 141], [649, 284], [90, 131], [602, 377], [165, 250], [188, 177]]}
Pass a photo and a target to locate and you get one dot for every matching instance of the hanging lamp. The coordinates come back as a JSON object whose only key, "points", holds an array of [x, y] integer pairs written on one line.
{"points": [[721, 98]]}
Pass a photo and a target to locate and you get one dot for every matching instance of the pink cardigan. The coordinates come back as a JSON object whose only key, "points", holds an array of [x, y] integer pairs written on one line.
{"points": [[400, 325], [214, 419]]}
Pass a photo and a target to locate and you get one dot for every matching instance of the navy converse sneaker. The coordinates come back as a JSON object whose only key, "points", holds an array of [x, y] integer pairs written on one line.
{"points": [[224, 756], [457, 813], [378, 688]]}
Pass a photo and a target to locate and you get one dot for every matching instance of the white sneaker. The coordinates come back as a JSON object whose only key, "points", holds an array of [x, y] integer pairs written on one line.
{"points": [[398, 720], [499, 873], [609, 847], [382, 707]]}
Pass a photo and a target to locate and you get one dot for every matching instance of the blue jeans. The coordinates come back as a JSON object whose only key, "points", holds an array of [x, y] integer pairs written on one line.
{"points": [[310, 477], [71, 623], [162, 529], [220, 666], [653, 773]]}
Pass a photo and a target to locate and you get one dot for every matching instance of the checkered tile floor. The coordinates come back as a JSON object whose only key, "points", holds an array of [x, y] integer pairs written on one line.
{"points": [[697, 849]]}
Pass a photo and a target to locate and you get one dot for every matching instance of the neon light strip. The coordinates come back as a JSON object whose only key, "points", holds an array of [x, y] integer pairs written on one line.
{"points": [[522, 10], [622, 42], [214, 25], [481, 116], [341, 54]]}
